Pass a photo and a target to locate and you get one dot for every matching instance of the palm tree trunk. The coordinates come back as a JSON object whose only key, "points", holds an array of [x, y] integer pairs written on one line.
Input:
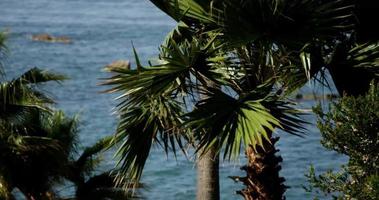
{"points": [[208, 186], [208, 176], [262, 179]]}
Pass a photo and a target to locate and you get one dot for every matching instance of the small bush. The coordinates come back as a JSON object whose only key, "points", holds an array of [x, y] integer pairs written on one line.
{"points": [[350, 127]]}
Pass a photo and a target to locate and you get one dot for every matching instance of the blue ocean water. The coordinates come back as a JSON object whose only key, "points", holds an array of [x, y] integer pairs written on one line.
{"points": [[102, 31]]}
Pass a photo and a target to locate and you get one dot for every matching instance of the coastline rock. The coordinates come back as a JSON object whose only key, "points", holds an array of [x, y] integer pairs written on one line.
{"points": [[118, 64], [49, 38]]}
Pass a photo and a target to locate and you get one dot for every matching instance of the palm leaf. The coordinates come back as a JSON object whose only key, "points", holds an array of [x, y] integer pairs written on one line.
{"points": [[19, 95], [88, 160], [154, 120], [36, 75], [365, 56], [102, 187], [353, 66], [189, 11], [284, 22], [247, 120]]}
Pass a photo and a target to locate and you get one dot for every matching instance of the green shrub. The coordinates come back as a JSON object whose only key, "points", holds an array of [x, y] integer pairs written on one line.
{"points": [[350, 127]]}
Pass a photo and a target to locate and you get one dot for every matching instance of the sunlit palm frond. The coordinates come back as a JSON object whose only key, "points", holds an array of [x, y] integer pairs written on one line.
{"points": [[179, 64], [290, 118], [162, 78], [242, 121], [365, 56]]}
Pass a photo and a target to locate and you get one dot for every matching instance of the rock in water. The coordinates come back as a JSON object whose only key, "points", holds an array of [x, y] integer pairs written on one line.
{"points": [[118, 64], [49, 38]]}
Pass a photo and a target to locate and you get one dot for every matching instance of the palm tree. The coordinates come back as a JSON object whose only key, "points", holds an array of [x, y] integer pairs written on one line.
{"points": [[20, 102], [259, 50], [40, 152], [20, 99], [38, 145], [192, 60], [35, 153]]}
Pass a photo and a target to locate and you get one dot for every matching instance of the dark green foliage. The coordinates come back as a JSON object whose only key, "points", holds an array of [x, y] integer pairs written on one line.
{"points": [[34, 154], [41, 150], [39, 147], [351, 127], [21, 95]]}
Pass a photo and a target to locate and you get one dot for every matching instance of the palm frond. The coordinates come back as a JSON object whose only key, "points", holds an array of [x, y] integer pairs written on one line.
{"points": [[179, 34], [63, 129], [165, 77], [243, 121], [178, 64], [190, 12], [20, 94], [365, 56], [32, 151], [102, 187], [89, 159], [24, 148], [353, 66], [36, 75], [285, 22], [155, 120]]}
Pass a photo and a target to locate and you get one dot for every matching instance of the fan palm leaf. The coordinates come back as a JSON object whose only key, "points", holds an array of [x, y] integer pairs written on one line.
{"points": [[20, 95], [357, 62], [246, 120]]}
